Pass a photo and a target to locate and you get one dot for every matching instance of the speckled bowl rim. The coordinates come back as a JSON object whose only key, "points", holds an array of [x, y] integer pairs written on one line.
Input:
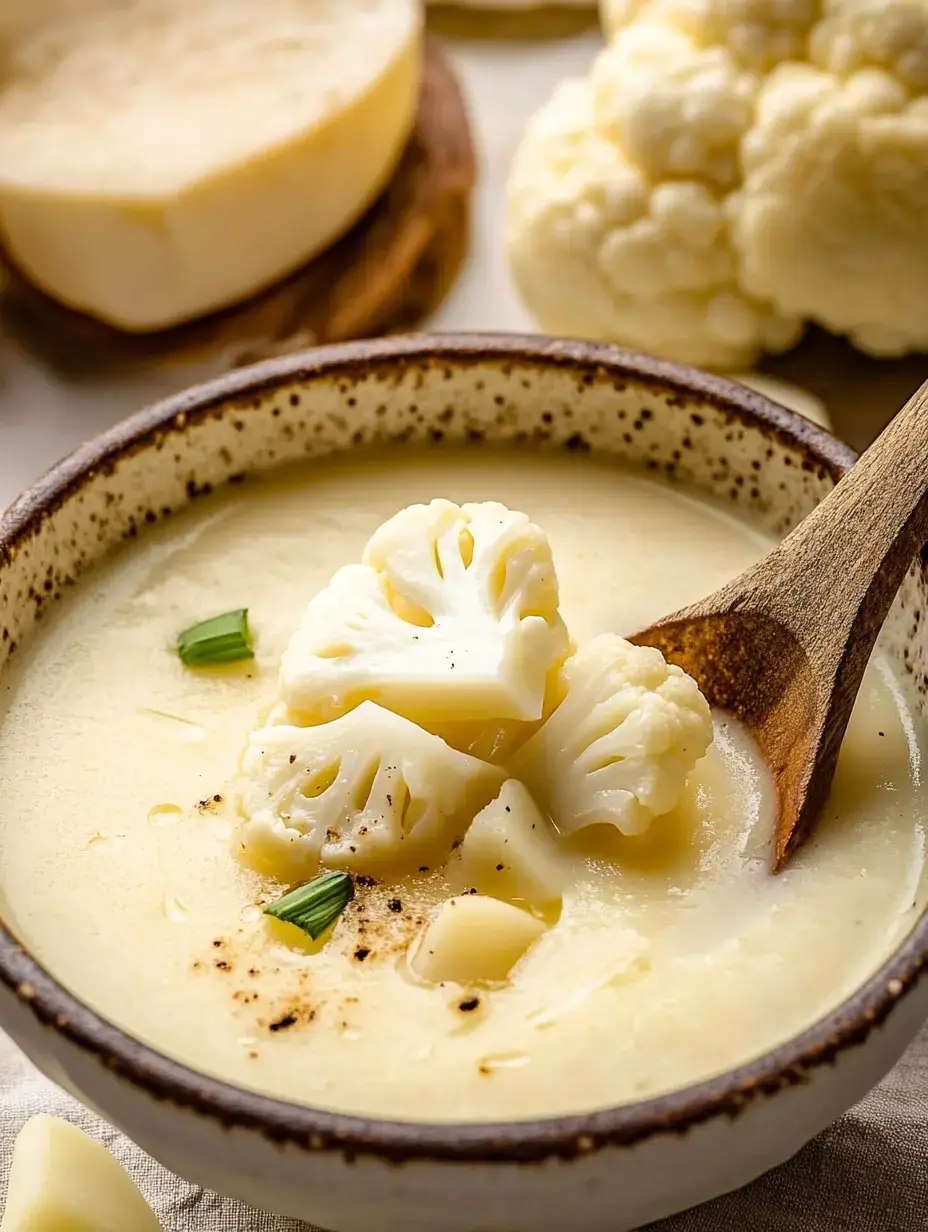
{"points": [[725, 1095]]}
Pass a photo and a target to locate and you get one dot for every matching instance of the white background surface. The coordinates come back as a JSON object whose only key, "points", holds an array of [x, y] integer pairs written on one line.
{"points": [[44, 415]]}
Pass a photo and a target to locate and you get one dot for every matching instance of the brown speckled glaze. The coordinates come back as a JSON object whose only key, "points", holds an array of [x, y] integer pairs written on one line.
{"points": [[684, 426]]}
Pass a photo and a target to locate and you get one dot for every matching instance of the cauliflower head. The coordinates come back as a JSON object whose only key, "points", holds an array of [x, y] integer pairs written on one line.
{"points": [[618, 749], [367, 792], [452, 613], [729, 171]]}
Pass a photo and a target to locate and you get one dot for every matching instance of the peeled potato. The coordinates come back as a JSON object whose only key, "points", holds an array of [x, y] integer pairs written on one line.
{"points": [[474, 938], [63, 1181]]}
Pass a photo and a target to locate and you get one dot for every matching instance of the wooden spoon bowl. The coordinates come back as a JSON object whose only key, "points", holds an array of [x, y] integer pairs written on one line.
{"points": [[784, 646]]}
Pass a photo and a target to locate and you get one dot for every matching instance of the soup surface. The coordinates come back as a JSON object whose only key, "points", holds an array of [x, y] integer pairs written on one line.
{"points": [[676, 954]]}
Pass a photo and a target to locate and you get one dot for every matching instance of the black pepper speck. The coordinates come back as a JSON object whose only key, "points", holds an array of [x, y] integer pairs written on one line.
{"points": [[281, 1024]]}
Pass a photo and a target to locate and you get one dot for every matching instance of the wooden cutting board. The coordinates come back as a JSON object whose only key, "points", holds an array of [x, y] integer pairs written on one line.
{"points": [[387, 273]]}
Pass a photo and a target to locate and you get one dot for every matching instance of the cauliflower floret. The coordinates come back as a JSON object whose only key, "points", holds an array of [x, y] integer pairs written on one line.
{"points": [[887, 34], [510, 852], [673, 108], [758, 33], [830, 223], [453, 612], [619, 747], [596, 251], [367, 792], [791, 137]]}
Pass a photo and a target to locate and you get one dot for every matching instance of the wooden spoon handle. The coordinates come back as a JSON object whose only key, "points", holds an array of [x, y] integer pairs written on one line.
{"points": [[840, 569], [826, 591]]}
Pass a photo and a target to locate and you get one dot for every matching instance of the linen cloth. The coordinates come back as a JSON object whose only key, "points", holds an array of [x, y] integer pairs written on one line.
{"points": [[868, 1173]]}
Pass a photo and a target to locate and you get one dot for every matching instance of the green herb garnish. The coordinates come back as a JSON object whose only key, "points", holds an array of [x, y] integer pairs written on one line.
{"points": [[316, 906], [221, 639]]}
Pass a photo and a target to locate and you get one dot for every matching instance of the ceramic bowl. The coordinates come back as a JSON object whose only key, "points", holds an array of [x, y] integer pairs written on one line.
{"points": [[614, 1169]]}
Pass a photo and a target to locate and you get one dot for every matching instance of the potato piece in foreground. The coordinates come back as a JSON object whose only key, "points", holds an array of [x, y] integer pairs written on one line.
{"points": [[472, 938], [61, 1179]]}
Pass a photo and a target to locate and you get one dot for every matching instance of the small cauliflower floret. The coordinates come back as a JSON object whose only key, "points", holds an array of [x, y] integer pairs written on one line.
{"points": [[62, 1180], [651, 82], [619, 747], [887, 34], [453, 613], [758, 33], [510, 852], [474, 938], [367, 792]]}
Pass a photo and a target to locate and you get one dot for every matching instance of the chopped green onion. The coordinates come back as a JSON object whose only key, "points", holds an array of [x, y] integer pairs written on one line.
{"points": [[316, 906], [221, 639]]}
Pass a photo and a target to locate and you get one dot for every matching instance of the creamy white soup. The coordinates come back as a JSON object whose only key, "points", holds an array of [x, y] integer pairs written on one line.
{"points": [[672, 956]]}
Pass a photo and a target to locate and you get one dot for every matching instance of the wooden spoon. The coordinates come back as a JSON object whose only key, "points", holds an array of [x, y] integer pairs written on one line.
{"points": [[784, 646]]}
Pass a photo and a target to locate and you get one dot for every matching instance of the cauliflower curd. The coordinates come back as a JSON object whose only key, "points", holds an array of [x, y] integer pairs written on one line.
{"points": [[728, 171], [619, 747], [367, 790], [453, 615]]}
